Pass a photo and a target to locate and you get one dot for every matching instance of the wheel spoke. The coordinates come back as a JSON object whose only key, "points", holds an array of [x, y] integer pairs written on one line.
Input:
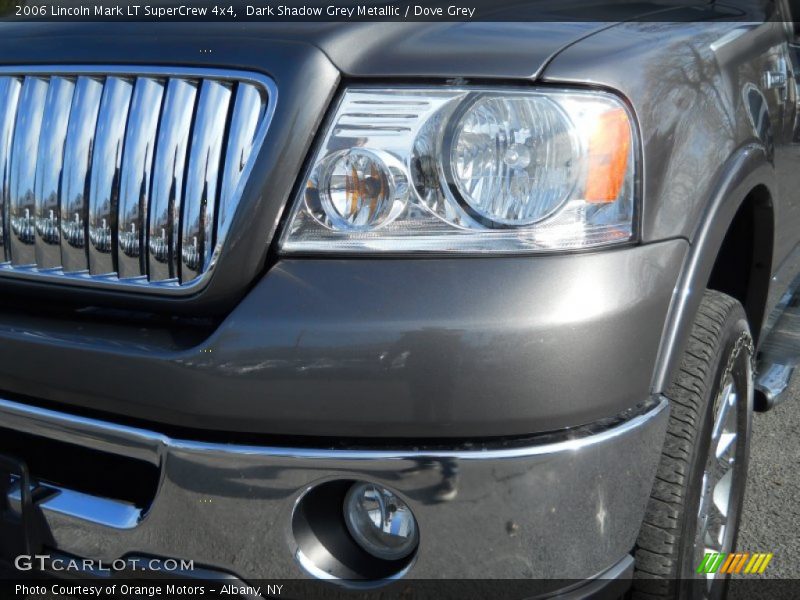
{"points": [[727, 401], [714, 508], [726, 441], [722, 493]]}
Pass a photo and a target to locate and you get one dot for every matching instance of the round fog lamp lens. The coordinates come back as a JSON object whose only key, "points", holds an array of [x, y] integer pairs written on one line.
{"points": [[380, 522]]}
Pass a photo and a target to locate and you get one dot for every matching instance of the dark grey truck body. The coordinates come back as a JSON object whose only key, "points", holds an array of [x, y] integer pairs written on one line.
{"points": [[539, 376]]}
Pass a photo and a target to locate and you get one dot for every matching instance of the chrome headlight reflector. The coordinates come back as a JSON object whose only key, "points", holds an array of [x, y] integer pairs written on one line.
{"points": [[512, 159], [469, 170]]}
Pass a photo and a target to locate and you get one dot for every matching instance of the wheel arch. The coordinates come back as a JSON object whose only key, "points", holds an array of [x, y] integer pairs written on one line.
{"points": [[743, 264], [736, 234]]}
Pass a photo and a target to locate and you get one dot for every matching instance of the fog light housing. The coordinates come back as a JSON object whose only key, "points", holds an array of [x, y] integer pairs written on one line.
{"points": [[380, 522]]}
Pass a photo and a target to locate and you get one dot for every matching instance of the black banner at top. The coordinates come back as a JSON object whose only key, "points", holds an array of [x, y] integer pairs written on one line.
{"points": [[382, 10]]}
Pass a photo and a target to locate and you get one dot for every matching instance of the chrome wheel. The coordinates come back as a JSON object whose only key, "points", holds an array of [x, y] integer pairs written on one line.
{"points": [[722, 478]]}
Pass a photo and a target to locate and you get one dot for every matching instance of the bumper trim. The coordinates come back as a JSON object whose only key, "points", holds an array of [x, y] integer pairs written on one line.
{"points": [[141, 444], [562, 509], [103, 511]]}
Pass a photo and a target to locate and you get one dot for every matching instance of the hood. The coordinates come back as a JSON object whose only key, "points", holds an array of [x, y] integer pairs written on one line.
{"points": [[478, 50], [367, 49], [497, 49]]}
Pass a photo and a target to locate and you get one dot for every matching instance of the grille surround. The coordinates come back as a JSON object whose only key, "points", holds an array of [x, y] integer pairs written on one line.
{"points": [[141, 262]]}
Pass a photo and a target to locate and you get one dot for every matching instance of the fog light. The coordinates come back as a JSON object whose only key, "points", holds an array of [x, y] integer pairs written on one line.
{"points": [[380, 522]]}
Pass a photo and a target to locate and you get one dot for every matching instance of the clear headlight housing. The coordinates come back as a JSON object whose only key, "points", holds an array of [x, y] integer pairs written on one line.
{"points": [[469, 170]]}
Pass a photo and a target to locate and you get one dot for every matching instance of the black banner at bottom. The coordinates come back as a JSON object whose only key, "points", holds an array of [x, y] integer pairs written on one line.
{"points": [[461, 589]]}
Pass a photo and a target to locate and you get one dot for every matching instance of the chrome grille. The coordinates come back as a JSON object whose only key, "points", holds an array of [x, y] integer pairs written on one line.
{"points": [[124, 177]]}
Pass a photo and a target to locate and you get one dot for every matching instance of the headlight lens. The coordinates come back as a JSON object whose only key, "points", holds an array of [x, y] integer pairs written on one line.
{"points": [[356, 190], [469, 170], [513, 159]]}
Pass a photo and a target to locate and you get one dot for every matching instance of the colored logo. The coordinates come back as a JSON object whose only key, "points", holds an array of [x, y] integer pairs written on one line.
{"points": [[734, 563]]}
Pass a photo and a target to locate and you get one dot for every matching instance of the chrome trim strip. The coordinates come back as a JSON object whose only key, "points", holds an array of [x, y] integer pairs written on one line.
{"points": [[159, 280], [48, 171], [146, 445], [77, 170], [10, 88], [119, 440], [572, 445], [137, 169], [106, 163], [103, 511], [168, 177], [202, 179], [24, 152], [246, 113]]}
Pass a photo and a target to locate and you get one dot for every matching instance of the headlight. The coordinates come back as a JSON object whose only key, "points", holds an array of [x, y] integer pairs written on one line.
{"points": [[469, 170]]}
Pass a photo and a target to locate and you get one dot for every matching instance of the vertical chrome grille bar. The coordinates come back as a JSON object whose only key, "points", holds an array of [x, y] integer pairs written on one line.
{"points": [[77, 165], [124, 177], [10, 88], [247, 111], [106, 163], [202, 179], [137, 168], [24, 151], [168, 178], [48, 171]]}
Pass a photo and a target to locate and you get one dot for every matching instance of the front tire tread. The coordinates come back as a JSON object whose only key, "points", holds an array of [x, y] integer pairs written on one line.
{"points": [[657, 552]]}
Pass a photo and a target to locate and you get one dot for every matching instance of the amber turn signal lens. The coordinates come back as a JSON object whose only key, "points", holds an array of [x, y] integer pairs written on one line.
{"points": [[609, 151]]}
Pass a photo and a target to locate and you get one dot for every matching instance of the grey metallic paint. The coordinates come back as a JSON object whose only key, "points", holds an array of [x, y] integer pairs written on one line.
{"points": [[415, 348], [383, 348], [421, 347], [704, 148]]}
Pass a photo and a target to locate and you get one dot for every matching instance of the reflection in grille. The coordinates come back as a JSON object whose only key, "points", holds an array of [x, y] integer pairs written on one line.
{"points": [[123, 177]]}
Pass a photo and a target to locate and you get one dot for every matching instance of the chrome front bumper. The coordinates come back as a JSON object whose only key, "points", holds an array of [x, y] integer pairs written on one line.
{"points": [[562, 506]]}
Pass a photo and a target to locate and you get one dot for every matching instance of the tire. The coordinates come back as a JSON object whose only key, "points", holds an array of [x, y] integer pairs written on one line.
{"points": [[674, 536]]}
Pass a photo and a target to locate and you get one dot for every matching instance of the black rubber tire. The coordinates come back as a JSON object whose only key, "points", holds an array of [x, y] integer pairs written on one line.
{"points": [[720, 341]]}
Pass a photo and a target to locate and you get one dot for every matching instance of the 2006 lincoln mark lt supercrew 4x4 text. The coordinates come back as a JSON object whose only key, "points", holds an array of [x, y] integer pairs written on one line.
{"points": [[383, 300]]}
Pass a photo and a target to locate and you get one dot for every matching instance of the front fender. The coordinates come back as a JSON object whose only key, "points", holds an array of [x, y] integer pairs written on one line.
{"points": [[746, 170]]}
